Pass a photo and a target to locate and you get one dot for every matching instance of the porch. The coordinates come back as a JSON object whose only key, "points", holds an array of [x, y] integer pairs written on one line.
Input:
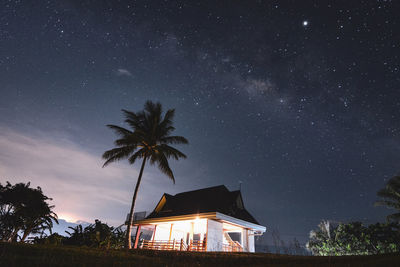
{"points": [[173, 245], [198, 246], [198, 234]]}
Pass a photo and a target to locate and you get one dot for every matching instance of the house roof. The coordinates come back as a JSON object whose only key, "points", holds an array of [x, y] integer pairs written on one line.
{"points": [[212, 199]]}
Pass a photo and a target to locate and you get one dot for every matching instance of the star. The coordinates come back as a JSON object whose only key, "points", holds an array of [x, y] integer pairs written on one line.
{"points": [[305, 23]]}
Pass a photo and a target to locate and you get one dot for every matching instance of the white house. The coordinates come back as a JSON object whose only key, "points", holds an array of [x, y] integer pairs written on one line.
{"points": [[209, 219]]}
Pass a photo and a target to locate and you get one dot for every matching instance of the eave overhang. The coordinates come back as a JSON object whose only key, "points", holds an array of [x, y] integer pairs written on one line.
{"points": [[208, 215]]}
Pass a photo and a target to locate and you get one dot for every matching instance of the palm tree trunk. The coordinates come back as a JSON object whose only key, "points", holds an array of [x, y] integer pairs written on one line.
{"points": [[26, 233], [128, 243], [13, 235]]}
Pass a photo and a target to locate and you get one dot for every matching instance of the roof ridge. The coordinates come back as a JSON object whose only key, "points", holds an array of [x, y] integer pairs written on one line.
{"points": [[203, 189]]}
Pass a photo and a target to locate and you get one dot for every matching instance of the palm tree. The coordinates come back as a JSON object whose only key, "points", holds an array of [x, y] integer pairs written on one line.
{"points": [[149, 139], [391, 198]]}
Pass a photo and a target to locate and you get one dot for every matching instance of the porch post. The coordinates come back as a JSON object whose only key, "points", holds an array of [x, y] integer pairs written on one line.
{"points": [[170, 232], [206, 237], [247, 238], [191, 231], [191, 236], [154, 233], [137, 235]]}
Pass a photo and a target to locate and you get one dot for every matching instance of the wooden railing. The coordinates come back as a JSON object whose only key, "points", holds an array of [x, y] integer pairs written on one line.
{"points": [[160, 245], [232, 247], [197, 245], [173, 245]]}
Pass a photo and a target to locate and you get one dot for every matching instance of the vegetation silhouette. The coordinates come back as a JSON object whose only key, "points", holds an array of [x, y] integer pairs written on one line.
{"points": [[24, 211], [148, 139], [342, 239], [391, 198], [96, 235]]}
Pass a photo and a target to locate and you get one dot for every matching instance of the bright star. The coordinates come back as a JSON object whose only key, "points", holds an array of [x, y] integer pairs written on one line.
{"points": [[305, 23]]}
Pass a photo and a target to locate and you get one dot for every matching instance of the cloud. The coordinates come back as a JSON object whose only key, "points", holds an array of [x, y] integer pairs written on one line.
{"points": [[123, 72], [81, 189]]}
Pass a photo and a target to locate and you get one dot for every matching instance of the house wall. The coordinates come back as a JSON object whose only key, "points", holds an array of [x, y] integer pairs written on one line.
{"points": [[248, 240], [251, 243], [162, 232], [214, 236], [245, 243]]}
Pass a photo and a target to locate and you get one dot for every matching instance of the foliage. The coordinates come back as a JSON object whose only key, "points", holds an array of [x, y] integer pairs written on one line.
{"points": [[149, 139], [391, 198], [17, 254], [354, 239], [98, 235], [54, 239], [24, 211]]}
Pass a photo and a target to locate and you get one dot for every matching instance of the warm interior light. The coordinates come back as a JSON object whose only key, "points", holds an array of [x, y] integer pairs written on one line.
{"points": [[181, 229]]}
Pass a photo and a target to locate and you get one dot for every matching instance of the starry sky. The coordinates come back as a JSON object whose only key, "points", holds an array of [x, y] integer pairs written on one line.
{"points": [[297, 102]]}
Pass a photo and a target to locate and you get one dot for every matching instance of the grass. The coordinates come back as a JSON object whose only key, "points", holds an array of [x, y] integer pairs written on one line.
{"points": [[12, 254]]}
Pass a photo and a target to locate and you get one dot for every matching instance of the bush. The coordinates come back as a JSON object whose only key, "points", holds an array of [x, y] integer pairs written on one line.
{"points": [[354, 239]]}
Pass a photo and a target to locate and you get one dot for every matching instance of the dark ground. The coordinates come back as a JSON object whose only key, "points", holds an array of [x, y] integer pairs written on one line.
{"points": [[35, 255]]}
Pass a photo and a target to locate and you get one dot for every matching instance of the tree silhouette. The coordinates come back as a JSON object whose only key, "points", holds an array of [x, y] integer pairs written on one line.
{"points": [[98, 235], [391, 198], [24, 211], [354, 238], [149, 139]]}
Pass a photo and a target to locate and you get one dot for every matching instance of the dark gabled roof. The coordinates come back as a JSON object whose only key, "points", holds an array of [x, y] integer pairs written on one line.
{"points": [[212, 199]]}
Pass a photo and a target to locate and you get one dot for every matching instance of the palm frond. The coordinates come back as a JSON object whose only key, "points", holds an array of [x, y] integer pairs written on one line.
{"points": [[133, 139], [153, 109], [163, 165], [153, 116], [389, 193], [119, 130], [388, 203], [164, 132], [394, 182], [168, 117], [174, 140], [169, 151], [390, 197], [393, 217], [135, 120], [138, 154], [117, 154]]}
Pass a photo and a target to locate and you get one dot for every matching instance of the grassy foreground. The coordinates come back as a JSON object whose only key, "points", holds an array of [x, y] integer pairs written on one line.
{"points": [[35, 255]]}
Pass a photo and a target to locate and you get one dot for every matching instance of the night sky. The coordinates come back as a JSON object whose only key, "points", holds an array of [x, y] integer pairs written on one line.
{"points": [[297, 101]]}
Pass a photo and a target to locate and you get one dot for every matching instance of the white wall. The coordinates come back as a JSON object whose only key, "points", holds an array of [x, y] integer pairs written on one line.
{"points": [[214, 236], [248, 240], [251, 243], [162, 232], [245, 244]]}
